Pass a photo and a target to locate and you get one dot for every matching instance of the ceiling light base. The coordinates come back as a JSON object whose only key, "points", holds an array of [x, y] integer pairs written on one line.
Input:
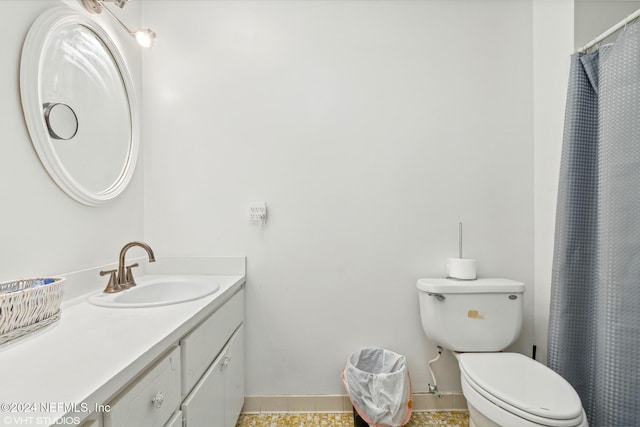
{"points": [[93, 6]]}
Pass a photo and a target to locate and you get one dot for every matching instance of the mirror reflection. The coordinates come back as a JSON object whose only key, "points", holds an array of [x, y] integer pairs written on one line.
{"points": [[78, 70], [62, 122]]}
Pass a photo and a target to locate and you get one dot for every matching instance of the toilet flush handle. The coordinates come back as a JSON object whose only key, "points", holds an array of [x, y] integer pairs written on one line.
{"points": [[439, 297]]}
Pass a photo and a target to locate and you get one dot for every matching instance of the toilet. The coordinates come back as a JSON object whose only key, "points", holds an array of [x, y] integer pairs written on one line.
{"points": [[476, 319]]}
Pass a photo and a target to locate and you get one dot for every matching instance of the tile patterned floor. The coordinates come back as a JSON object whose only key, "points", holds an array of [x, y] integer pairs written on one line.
{"points": [[418, 419]]}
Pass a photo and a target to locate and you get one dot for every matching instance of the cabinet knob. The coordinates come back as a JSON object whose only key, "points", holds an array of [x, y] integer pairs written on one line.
{"points": [[157, 401]]}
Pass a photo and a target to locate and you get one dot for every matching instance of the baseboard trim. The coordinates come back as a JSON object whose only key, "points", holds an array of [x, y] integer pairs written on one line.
{"points": [[257, 404]]}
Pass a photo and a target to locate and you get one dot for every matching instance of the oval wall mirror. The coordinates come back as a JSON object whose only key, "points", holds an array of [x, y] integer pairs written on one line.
{"points": [[79, 105]]}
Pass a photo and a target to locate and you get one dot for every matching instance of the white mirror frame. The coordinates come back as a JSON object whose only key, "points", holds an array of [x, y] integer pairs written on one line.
{"points": [[38, 37]]}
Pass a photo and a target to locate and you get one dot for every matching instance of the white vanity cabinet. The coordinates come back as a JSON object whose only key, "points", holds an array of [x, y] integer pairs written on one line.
{"points": [[175, 421], [213, 368], [234, 378], [201, 346], [217, 398], [94, 420], [200, 382]]}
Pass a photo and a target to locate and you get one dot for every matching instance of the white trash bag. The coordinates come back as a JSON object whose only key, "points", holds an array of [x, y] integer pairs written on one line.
{"points": [[379, 386]]}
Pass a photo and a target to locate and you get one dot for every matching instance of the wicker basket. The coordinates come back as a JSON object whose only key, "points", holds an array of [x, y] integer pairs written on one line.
{"points": [[27, 305]]}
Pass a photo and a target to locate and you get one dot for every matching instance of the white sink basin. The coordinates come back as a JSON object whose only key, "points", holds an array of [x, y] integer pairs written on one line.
{"points": [[153, 291]]}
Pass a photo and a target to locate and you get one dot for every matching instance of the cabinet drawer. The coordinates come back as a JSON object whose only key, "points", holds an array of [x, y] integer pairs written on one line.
{"points": [[152, 399], [200, 347]]}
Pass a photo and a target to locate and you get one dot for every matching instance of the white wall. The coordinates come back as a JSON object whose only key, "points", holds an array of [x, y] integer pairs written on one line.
{"points": [[593, 17], [343, 118], [43, 231], [552, 47], [369, 129]]}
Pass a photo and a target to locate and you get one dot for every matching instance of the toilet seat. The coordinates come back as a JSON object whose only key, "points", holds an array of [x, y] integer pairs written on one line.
{"points": [[523, 387]]}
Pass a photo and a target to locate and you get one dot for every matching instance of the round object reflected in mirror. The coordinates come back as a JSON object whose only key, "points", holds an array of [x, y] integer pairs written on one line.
{"points": [[61, 120]]}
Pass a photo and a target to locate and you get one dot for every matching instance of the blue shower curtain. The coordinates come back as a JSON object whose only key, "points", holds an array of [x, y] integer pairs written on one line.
{"points": [[594, 324]]}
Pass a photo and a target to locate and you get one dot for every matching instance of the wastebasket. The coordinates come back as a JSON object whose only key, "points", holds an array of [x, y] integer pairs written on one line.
{"points": [[377, 381], [357, 419]]}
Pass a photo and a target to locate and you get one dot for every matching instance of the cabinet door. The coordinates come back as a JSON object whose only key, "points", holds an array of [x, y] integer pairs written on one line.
{"points": [[95, 420], [205, 342], [234, 377], [175, 421], [205, 404]]}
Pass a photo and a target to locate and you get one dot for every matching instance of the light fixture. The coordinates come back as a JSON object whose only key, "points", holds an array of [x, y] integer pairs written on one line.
{"points": [[144, 36]]}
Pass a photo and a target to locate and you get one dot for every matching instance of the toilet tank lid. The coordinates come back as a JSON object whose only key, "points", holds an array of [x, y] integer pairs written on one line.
{"points": [[483, 285]]}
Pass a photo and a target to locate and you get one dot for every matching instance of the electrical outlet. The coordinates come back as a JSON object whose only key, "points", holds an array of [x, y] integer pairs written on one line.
{"points": [[258, 213]]}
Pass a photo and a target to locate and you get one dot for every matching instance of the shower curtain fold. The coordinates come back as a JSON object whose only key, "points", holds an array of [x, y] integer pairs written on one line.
{"points": [[594, 324]]}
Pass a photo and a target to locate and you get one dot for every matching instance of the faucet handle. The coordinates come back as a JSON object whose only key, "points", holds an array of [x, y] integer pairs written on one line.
{"points": [[112, 286], [129, 280]]}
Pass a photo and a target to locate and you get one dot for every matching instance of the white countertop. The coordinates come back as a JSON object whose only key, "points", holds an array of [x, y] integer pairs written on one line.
{"points": [[91, 354]]}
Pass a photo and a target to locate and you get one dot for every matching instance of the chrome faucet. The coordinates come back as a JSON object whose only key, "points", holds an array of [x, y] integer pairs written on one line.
{"points": [[120, 280]]}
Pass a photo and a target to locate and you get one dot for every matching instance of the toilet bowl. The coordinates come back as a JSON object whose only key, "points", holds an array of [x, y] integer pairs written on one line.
{"points": [[510, 389], [477, 320]]}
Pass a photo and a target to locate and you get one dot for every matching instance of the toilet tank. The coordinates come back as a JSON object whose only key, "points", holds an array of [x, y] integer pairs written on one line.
{"points": [[471, 315]]}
